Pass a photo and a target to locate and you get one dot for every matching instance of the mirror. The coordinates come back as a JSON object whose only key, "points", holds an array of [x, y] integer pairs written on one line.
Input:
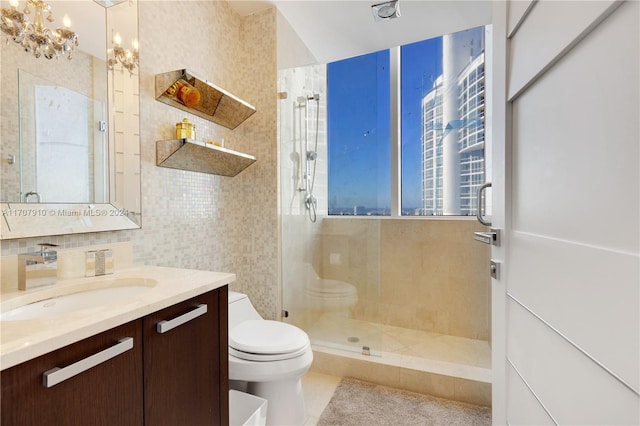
{"points": [[70, 153]]}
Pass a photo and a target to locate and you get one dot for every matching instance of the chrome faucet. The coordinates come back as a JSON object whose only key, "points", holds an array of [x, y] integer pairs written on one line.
{"points": [[29, 194], [38, 269]]}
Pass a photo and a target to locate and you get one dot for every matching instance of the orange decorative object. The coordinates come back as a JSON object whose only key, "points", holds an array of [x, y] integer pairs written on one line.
{"points": [[189, 95]]}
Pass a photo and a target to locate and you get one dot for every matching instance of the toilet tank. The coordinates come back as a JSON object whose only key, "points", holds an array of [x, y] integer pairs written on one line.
{"points": [[240, 309]]}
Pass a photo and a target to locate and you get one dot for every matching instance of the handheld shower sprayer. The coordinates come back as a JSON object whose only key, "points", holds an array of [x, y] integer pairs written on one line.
{"points": [[308, 170]]}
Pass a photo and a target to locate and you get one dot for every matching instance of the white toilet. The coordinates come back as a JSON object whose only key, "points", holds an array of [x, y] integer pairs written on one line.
{"points": [[267, 359]]}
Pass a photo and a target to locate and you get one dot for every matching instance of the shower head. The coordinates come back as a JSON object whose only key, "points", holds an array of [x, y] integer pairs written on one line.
{"points": [[386, 10], [312, 155]]}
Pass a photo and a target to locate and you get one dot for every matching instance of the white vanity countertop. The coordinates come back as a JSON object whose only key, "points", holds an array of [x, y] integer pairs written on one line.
{"points": [[27, 339]]}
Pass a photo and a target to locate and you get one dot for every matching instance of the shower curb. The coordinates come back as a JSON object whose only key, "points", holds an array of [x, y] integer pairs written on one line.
{"points": [[469, 384]]}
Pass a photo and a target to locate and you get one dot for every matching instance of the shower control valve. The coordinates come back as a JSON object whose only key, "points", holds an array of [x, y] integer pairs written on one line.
{"points": [[310, 200]]}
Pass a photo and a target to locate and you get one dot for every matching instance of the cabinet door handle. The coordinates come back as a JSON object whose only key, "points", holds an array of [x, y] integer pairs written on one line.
{"points": [[164, 326], [56, 375]]}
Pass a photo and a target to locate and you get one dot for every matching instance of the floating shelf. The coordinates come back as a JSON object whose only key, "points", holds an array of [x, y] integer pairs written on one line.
{"points": [[208, 101], [197, 156]]}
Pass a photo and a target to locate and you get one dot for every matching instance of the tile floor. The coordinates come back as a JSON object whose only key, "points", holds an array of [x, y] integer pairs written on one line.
{"points": [[318, 390]]}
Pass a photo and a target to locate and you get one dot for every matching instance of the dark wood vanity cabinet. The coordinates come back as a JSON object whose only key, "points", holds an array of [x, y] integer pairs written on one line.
{"points": [[171, 378], [186, 367], [107, 394]]}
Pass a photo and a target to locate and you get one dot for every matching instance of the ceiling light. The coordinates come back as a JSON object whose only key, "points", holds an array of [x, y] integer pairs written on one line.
{"points": [[386, 10], [34, 36]]}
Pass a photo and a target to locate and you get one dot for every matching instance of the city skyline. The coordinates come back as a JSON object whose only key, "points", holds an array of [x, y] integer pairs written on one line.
{"points": [[453, 128]]}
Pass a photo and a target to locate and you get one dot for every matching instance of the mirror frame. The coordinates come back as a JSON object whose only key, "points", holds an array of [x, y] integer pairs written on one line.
{"points": [[28, 220]]}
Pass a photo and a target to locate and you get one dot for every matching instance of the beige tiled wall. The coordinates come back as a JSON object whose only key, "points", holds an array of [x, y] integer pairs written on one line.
{"points": [[423, 274], [194, 220]]}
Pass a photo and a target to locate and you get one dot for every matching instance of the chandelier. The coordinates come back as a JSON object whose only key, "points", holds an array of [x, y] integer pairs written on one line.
{"points": [[35, 36], [128, 58]]}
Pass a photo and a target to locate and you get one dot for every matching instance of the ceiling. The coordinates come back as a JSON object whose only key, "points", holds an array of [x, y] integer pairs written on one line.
{"points": [[334, 30], [330, 29]]}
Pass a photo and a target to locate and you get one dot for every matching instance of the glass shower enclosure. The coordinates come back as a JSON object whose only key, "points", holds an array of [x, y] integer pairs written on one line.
{"points": [[330, 265]]}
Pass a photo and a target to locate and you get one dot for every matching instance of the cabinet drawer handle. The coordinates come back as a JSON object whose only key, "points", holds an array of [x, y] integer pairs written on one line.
{"points": [[57, 375], [164, 326]]}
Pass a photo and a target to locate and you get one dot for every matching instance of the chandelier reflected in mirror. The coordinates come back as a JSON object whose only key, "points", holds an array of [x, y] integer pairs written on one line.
{"points": [[34, 36], [127, 58]]}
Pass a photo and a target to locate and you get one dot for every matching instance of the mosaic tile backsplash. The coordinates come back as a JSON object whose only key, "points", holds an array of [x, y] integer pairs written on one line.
{"points": [[195, 220]]}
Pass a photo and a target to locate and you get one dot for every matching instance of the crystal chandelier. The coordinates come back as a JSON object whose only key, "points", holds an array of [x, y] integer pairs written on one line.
{"points": [[128, 58], [35, 36]]}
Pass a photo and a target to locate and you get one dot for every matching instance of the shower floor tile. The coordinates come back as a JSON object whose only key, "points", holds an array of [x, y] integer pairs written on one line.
{"points": [[396, 346]]}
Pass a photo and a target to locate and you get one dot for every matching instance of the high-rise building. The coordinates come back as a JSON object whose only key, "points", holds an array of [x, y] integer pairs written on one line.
{"points": [[453, 128]]}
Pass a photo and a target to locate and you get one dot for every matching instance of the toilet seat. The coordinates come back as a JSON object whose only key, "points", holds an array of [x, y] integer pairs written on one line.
{"points": [[266, 340], [248, 356]]}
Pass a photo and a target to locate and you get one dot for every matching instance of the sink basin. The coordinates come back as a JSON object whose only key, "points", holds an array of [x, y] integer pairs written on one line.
{"points": [[114, 291]]}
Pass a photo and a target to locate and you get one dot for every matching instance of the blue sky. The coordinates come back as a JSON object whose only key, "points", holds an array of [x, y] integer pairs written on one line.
{"points": [[358, 124], [358, 130]]}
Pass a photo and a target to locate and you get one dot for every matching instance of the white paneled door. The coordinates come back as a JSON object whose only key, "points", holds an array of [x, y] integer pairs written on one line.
{"points": [[566, 311]]}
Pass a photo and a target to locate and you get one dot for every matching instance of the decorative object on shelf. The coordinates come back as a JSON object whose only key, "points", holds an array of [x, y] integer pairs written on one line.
{"points": [[186, 91], [188, 95], [35, 36], [128, 58], [185, 130], [197, 156]]}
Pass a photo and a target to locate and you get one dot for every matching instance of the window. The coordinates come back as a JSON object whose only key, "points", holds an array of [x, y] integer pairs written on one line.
{"points": [[441, 117], [358, 131]]}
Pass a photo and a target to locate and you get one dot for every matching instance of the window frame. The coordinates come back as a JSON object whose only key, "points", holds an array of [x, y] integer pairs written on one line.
{"points": [[395, 132]]}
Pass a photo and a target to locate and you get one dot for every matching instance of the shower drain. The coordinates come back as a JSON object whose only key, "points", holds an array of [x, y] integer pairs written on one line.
{"points": [[353, 339]]}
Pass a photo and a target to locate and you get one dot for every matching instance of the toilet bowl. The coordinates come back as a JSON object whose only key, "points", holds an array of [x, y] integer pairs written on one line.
{"points": [[267, 359]]}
